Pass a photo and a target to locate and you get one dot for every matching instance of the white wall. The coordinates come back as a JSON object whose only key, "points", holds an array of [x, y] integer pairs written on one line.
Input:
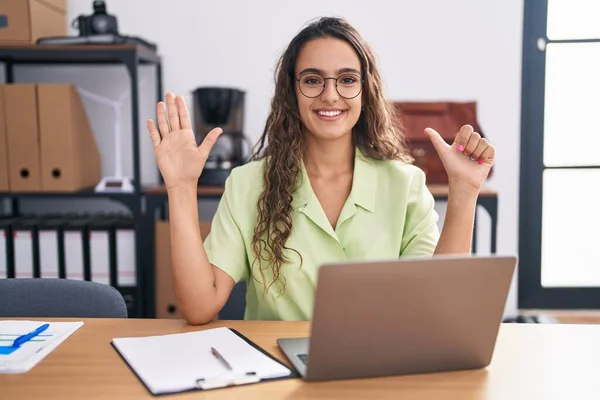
{"points": [[428, 50]]}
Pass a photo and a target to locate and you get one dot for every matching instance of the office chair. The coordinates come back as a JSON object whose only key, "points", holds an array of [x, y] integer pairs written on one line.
{"points": [[50, 297]]}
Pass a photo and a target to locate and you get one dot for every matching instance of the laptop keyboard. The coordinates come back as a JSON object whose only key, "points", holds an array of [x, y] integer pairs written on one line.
{"points": [[303, 358]]}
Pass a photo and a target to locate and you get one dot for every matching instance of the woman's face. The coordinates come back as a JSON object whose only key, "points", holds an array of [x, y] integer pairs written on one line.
{"points": [[328, 114]]}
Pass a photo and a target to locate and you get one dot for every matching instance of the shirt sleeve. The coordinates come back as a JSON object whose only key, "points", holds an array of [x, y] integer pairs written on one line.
{"points": [[224, 245], [421, 232]]}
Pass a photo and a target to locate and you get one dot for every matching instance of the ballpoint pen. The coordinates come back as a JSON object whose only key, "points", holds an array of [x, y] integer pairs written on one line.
{"points": [[220, 358], [24, 338]]}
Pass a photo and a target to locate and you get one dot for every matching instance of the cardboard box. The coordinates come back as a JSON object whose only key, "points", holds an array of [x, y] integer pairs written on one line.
{"points": [[3, 147], [25, 21], [20, 112], [70, 159], [165, 303]]}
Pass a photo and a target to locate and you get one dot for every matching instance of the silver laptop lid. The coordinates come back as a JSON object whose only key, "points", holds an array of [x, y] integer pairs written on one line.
{"points": [[407, 316]]}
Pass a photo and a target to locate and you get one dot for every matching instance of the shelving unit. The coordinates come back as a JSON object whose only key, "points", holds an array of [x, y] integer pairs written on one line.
{"points": [[132, 57]]}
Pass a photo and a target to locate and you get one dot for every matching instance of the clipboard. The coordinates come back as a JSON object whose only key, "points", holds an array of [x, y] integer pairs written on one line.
{"points": [[223, 381]]}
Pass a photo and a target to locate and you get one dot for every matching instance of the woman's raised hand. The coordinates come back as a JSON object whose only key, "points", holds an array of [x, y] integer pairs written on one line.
{"points": [[179, 159]]}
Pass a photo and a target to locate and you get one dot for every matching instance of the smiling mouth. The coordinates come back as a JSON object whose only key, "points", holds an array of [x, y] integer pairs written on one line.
{"points": [[329, 113]]}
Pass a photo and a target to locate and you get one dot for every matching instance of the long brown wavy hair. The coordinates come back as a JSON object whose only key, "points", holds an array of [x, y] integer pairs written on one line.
{"points": [[377, 134]]}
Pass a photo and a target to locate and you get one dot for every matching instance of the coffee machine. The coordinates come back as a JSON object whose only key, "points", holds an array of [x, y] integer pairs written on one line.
{"points": [[221, 107]]}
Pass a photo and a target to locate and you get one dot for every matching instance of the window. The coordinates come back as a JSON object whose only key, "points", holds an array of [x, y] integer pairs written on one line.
{"points": [[559, 216]]}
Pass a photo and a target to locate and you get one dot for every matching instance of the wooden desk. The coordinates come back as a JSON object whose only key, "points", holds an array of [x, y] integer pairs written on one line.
{"points": [[531, 361]]}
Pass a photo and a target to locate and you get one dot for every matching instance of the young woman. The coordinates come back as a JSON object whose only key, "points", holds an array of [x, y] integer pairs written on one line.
{"points": [[331, 180]]}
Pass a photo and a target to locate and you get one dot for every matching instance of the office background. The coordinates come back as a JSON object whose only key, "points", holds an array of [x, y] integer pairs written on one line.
{"points": [[428, 50], [537, 91]]}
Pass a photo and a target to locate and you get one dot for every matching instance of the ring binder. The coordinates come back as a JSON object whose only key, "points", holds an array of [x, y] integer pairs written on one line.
{"points": [[227, 380]]}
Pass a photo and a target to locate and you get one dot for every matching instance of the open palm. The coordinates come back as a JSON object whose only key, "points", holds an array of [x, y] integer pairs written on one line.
{"points": [[179, 159], [468, 160]]}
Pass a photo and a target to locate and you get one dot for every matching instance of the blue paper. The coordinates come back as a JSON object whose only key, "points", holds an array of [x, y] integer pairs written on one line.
{"points": [[6, 350]]}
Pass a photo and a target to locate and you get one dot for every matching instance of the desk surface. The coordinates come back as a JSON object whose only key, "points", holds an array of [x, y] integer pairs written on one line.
{"points": [[531, 361]]}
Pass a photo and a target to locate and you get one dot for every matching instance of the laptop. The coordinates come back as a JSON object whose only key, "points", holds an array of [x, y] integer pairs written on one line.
{"points": [[403, 316]]}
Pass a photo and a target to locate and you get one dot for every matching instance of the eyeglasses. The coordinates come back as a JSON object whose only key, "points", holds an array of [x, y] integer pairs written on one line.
{"points": [[348, 86]]}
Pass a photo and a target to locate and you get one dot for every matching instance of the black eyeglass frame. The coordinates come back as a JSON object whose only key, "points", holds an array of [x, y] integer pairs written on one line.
{"points": [[362, 81]]}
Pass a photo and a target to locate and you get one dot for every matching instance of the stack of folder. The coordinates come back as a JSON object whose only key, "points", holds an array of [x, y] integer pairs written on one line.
{"points": [[99, 248], [46, 141]]}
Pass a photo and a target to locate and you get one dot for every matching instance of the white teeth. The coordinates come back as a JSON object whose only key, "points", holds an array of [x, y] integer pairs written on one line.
{"points": [[329, 113]]}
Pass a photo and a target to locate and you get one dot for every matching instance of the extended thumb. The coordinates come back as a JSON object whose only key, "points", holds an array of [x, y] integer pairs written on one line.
{"points": [[438, 142]]}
